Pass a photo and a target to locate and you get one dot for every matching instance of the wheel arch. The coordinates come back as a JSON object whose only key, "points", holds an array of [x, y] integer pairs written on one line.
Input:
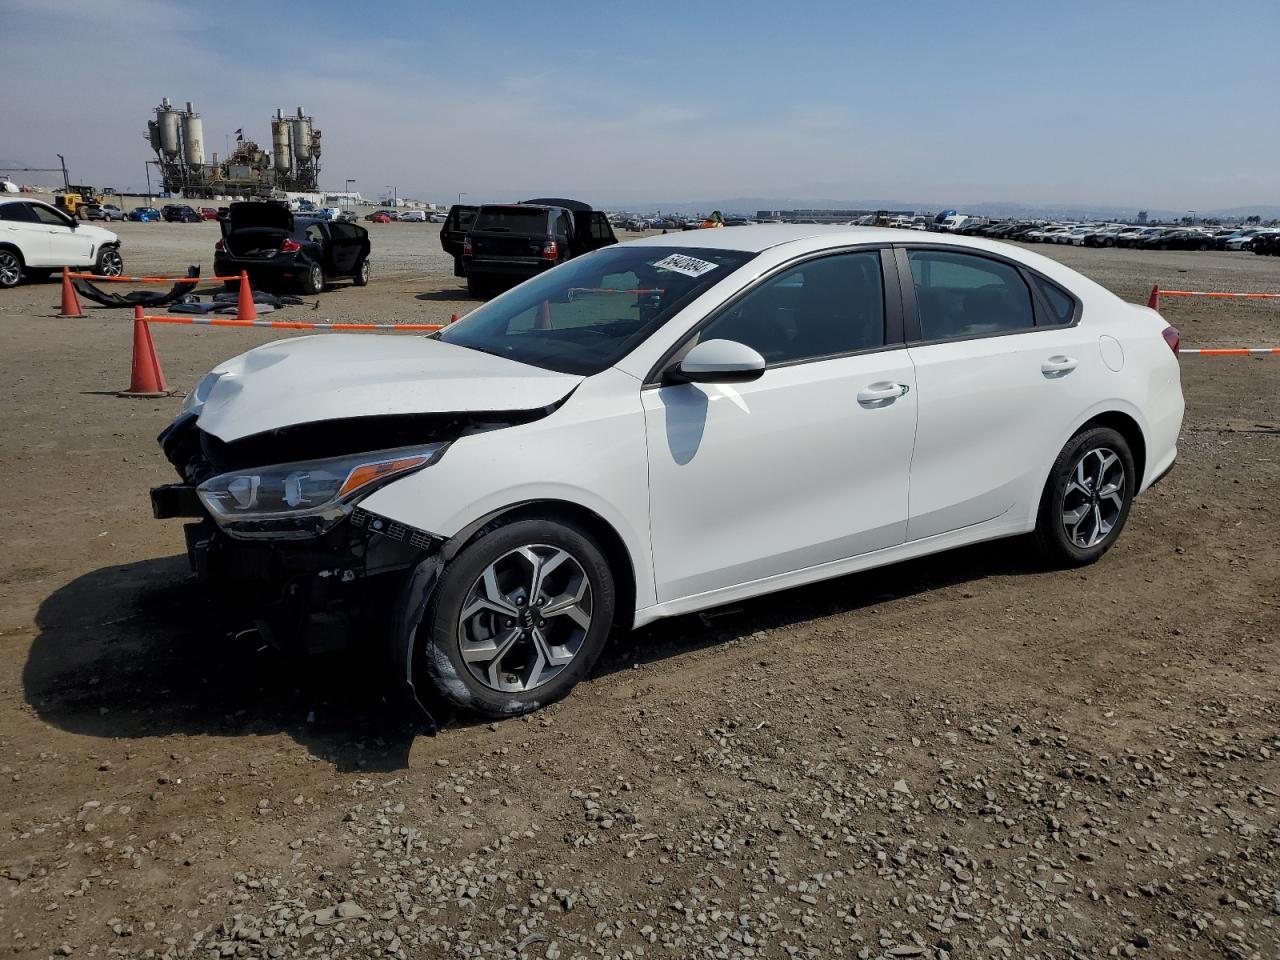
{"points": [[615, 549], [1128, 428], [13, 248]]}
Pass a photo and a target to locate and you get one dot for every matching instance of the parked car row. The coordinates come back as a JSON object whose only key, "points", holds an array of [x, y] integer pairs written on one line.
{"points": [[404, 216], [1137, 237]]}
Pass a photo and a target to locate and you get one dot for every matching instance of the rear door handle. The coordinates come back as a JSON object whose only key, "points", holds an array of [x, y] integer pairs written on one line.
{"points": [[882, 392], [1058, 366]]}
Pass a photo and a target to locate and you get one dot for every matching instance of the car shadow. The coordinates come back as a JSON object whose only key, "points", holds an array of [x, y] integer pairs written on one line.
{"points": [[789, 608], [444, 296], [141, 650]]}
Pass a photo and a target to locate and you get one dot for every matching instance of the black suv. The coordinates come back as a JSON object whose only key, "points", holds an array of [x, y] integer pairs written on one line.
{"points": [[276, 247], [179, 213], [509, 243]]}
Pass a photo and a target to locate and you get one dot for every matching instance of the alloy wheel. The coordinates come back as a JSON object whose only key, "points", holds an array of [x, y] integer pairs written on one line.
{"points": [[525, 618], [1094, 497], [112, 264], [10, 269]]}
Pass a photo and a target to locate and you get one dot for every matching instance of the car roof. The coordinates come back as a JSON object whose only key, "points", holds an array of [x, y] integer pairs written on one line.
{"points": [[759, 237]]}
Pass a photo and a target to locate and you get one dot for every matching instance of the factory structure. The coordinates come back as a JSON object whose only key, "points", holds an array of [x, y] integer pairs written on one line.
{"points": [[292, 165]]}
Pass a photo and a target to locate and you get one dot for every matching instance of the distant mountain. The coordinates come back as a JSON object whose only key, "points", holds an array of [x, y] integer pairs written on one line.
{"points": [[749, 205]]}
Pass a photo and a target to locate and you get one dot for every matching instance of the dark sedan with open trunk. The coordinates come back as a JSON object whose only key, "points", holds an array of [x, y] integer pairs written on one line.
{"points": [[276, 248]]}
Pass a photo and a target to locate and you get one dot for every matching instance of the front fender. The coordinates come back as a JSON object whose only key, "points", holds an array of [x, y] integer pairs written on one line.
{"points": [[590, 453]]}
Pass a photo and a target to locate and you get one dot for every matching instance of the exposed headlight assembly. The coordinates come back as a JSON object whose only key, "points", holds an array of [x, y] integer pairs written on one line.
{"points": [[300, 500]]}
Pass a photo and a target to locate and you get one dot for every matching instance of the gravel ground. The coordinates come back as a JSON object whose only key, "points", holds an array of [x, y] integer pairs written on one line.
{"points": [[964, 756]]}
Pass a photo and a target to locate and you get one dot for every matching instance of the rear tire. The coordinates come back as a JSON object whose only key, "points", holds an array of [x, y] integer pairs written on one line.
{"points": [[1087, 498], [361, 278], [492, 601], [478, 288], [313, 281]]}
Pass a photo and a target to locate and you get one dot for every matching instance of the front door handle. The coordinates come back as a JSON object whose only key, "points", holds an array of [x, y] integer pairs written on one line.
{"points": [[1058, 366], [881, 393]]}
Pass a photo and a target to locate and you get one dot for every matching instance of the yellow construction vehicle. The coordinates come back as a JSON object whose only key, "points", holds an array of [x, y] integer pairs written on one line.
{"points": [[74, 196]]}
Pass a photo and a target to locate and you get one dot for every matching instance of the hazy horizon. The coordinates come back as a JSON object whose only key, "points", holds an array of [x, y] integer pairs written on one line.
{"points": [[1165, 106]]}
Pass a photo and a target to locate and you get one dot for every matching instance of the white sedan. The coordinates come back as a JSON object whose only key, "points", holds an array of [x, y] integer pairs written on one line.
{"points": [[664, 426]]}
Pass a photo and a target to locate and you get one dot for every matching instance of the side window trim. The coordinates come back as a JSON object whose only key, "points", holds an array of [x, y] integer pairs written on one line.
{"points": [[893, 322], [1041, 314]]}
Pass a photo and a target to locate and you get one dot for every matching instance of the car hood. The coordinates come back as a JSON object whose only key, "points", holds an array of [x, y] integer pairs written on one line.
{"points": [[96, 234], [340, 376]]}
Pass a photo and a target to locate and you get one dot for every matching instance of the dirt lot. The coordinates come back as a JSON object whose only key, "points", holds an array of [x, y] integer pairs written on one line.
{"points": [[965, 756]]}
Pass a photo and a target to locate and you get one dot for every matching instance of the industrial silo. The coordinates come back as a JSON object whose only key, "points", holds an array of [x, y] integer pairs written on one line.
{"points": [[193, 137], [280, 148], [167, 121], [302, 136]]}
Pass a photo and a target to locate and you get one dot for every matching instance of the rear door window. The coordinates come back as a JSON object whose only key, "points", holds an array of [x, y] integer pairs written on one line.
{"points": [[960, 295]]}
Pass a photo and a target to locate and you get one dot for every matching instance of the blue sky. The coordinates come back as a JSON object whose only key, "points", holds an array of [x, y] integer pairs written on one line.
{"points": [[1136, 104]]}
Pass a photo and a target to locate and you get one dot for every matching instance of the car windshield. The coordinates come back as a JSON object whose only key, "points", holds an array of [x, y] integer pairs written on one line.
{"points": [[586, 315]]}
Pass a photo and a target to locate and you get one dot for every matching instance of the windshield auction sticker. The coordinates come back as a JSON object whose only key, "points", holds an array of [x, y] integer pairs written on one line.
{"points": [[689, 266]]}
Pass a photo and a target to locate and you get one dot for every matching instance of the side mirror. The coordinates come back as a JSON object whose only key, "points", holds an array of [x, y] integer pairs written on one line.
{"points": [[718, 361]]}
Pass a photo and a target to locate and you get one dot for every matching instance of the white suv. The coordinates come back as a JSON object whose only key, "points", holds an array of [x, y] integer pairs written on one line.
{"points": [[36, 239]]}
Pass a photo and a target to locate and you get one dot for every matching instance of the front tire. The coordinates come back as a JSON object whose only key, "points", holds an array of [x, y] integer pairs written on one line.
{"points": [[517, 619], [313, 280], [109, 263], [1087, 498]]}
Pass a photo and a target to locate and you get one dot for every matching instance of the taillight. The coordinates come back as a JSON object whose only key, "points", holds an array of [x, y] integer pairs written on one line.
{"points": [[1173, 337], [550, 251], [291, 246], [220, 247], [466, 247]]}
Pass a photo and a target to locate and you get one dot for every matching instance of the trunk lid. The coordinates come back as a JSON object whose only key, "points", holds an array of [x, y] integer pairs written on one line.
{"points": [[246, 215]]}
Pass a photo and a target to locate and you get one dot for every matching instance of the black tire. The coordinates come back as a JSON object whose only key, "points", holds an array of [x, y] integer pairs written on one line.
{"points": [[477, 288], [1054, 540], [438, 657], [11, 267], [361, 277], [312, 281], [109, 263]]}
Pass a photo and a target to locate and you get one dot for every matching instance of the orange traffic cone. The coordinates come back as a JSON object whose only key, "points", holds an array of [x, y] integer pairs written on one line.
{"points": [[70, 301], [453, 318], [147, 379], [1154, 300], [247, 311]]}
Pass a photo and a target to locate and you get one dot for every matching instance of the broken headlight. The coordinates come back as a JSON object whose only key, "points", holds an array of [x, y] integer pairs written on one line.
{"points": [[298, 500]]}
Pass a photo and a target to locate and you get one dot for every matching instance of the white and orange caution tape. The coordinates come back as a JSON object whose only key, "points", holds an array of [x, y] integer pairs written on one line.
{"points": [[291, 324], [1231, 351]]}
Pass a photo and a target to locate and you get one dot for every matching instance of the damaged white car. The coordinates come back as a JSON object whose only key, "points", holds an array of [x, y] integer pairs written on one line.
{"points": [[658, 428]]}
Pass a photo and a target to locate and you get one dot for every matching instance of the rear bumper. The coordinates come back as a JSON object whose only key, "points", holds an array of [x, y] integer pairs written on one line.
{"points": [[275, 269], [524, 267]]}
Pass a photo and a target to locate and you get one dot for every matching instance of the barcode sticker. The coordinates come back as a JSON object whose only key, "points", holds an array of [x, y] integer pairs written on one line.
{"points": [[689, 266]]}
